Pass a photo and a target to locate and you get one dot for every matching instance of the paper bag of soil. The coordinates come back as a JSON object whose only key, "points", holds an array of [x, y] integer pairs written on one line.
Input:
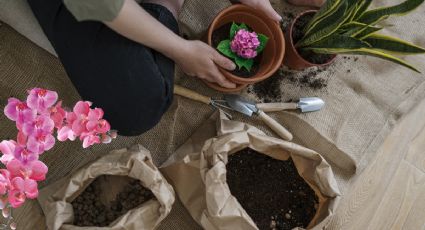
{"points": [[198, 173], [136, 163]]}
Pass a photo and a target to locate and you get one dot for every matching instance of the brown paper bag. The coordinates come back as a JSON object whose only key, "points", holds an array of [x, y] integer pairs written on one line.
{"points": [[136, 163], [199, 174]]}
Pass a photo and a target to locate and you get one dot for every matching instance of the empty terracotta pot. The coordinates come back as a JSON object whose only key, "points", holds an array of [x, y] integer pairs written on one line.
{"points": [[292, 58], [272, 55]]}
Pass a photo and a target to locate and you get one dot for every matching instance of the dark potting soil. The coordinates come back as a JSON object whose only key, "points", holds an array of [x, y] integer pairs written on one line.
{"points": [[271, 191], [89, 210], [270, 90], [297, 35], [221, 34]]}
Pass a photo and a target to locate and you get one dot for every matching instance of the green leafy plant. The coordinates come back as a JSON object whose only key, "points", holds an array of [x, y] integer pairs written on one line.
{"points": [[348, 27], [243, 45]]}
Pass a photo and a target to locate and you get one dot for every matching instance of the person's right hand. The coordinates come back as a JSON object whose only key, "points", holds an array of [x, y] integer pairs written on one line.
{"points": [[199, 59]]}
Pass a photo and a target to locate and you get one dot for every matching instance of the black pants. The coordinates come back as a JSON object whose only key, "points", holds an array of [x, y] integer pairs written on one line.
{"points": [[132, 83]]}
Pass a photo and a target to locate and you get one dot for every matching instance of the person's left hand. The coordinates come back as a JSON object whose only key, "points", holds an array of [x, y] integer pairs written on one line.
{"points": [[265, 6]]}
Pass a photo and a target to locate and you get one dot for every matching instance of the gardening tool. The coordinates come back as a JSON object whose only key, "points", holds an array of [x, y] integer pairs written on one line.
{"points": [[308, 104], [216, 103], [249, 108]]}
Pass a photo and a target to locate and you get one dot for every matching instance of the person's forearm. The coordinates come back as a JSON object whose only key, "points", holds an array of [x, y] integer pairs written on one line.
{"points": [[138, 25]]}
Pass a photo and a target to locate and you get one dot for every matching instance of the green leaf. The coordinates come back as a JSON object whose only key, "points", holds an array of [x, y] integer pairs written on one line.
{"points": [[376, 15], [369, 30], [224, 48], [393, 45], [351, 10], [362, 8], [233, 29], [359, 30], [369, 52], [243, 26], [263, 42], [338, 42], [329, 7], [352, 28], [244, 63], [326, 27]]}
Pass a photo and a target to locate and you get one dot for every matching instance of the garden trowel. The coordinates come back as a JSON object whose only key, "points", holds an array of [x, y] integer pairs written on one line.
{"points": [[308, 104], [249, 108]]}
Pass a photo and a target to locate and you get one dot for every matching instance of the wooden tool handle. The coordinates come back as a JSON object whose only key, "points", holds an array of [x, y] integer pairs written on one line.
{"points": [[179, 90], [275, 126], [275, 107]]}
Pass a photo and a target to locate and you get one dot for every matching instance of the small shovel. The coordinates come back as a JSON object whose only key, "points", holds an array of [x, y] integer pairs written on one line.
{"points": [[249, 108], [308, 104]]}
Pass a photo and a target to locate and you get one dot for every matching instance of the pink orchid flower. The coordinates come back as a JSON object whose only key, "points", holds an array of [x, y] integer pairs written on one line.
{"points": [[24, 155], [79, 117], [18, 111], [22, 189], [66, 133], [41, 125], [41, 99], [57, 114], [40, 143], [8, 150], [89, 139], [4, 181], [96, 123], [35, 170]]}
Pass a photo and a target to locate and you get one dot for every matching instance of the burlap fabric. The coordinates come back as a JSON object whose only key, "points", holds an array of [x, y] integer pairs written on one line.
{"points": [[362, 106]]}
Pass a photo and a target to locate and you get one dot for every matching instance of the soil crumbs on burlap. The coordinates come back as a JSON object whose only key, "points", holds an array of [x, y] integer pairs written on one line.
{"points": [[271, 89], [89, 210], [271, 191], [223, 33]]}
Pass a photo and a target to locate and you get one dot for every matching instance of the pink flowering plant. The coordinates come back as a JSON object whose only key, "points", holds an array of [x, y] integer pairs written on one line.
{"points": [[37, 119], [243, 46]]}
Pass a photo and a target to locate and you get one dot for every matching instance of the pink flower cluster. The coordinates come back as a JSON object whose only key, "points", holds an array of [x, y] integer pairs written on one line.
{"points": [[245, 44], [36, 119]]}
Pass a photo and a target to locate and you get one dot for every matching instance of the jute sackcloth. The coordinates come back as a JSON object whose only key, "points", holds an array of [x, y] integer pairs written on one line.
{"points": [[362, 106]]}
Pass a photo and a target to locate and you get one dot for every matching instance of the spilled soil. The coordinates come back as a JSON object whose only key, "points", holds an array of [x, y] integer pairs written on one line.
{"points": [[271, 191], [271, 90]]}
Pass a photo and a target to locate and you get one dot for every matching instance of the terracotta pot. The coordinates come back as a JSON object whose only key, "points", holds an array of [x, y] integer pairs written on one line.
{"points": [[273, 54], [239, 87], [292, 58]]}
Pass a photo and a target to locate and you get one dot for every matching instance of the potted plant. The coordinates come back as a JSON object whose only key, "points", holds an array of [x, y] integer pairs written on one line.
{"points": [[269, 51], [314, 38]]}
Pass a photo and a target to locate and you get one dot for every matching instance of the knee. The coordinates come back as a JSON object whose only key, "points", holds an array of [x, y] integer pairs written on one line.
{"points": [[141, 116]]}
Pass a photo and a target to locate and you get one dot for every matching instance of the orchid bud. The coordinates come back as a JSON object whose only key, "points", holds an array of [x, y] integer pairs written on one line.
{"points": [[113, 134], [5, 212], [106, 139], [13, 225], [3, 202]]}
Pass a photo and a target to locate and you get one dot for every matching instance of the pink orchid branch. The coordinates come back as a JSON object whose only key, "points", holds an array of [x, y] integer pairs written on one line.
{"points": [[37, 119]]}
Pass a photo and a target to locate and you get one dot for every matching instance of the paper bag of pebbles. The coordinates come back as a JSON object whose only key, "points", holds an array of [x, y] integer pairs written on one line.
{"points": [[243, 179], [121, 190]]}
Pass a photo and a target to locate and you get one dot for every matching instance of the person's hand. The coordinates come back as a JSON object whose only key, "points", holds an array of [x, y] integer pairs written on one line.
{"points": [[199, 59], [265, 6]]}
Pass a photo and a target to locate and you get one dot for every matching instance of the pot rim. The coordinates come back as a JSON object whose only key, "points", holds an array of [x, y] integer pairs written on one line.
{"points": [[239, 87], [291, 41], [278, 37]]}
